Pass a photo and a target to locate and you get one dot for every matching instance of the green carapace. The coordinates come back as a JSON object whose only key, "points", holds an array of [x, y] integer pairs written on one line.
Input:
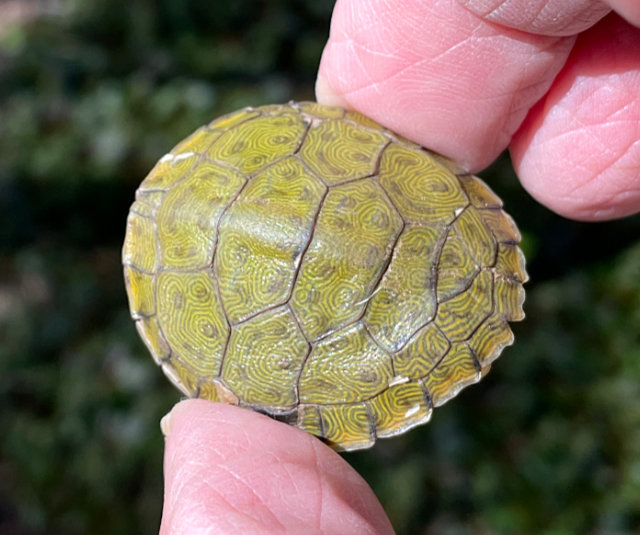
{"points": [[303, 261]]}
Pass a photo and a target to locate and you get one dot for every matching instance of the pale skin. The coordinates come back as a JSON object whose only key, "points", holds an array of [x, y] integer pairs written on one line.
{"points": [[557, 82]]}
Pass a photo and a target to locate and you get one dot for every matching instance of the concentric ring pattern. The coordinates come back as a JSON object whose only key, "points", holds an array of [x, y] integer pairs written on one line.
{"points": [[303, 261]]}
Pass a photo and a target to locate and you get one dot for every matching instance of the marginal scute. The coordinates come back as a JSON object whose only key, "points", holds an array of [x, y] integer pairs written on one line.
{"points": [[147, 203], [490, 339], [149, 331], [139, 249], [181, 375], [319, 111], [168, 171], [142, 301], [226, 122], [309, 420], [305, 262], [501, 225], [363, 120], [509, 296], [446, 163], [209, 389], [198, 142], [457, 369], [511, 263], [399, 408], [348, 427], [479, 193]]}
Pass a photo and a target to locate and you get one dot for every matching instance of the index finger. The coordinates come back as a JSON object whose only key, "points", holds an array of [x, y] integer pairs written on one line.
{"points": [[437, 73]]}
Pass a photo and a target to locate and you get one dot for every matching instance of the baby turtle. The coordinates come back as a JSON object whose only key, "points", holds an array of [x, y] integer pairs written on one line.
{"points": [[303, 261]]}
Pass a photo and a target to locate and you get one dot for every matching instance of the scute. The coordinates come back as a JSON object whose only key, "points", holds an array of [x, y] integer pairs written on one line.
{"points": [[189, 214], [269, 345], [262, 235], [347, 367], [422, 190], [256, 143], [304, 261], [399, 408], [406, 296], [352, 242], [339, 151], [192, 320]]}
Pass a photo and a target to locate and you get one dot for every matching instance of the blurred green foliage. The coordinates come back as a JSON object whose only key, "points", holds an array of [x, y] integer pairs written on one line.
{"points": [[91, 95]]}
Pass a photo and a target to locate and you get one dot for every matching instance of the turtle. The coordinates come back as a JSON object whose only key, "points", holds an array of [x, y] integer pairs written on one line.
{"points": [[303, 261]]}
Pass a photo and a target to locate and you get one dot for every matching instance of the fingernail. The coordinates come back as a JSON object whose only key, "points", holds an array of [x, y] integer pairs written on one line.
{"points": [[165, 423], [325, 94]]}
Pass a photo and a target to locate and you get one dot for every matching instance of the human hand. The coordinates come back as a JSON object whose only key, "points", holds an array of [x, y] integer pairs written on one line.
{"points": [[459, 85], [567, 104], [233, 471]]}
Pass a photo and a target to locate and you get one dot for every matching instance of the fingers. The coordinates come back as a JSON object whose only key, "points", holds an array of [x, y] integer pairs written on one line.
{"points": [[629, 9], [232, 471], [544, 17], [552, 17], [462, 84], [578, 152], [437, 73]]}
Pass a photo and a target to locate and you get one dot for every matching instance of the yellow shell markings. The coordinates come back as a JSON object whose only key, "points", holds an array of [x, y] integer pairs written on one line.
{"points": [[406, 296], [188, 217], [346, 367], [339, 151], [252, 145], [268, 345], [192, 319], [303, 261], [422, 353], [262, 235], [354, 235]]}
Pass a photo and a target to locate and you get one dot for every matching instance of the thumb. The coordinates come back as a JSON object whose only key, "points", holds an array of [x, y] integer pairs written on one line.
{"points": [[233, 471]]}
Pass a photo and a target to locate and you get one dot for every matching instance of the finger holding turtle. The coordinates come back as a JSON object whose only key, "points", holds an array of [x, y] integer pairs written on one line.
{"points": [[556, 82]]}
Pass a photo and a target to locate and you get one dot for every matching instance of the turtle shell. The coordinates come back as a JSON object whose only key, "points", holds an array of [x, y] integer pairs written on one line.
{"points": [[305, 262]]}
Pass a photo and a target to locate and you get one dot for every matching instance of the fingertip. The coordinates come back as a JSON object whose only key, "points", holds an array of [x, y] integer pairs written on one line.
{"points": [[325, 94], [578, 151], [543, 17], [166, 422], [437, 74], [231, 470], [628, 9]]}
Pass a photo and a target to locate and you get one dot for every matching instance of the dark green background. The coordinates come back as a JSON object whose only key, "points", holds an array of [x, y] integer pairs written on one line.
{"points": [[91, 95]]}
